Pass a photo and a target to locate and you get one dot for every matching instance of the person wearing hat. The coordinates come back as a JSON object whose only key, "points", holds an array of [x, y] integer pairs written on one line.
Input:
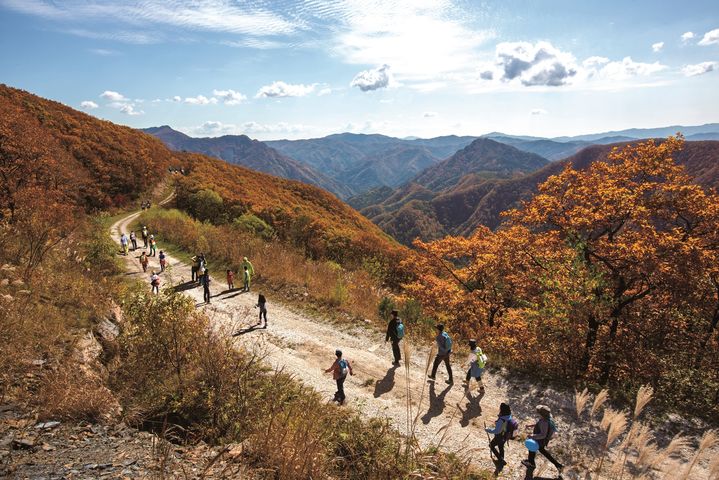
{"points": [[248, 264], [542, 433], [444, 350], [155, 282], [476, 365], [393, 333], [340, 368]]}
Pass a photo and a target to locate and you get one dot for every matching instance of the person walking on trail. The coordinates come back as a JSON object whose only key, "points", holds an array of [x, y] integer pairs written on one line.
{"points": [[262, 304], [155, 283], [340, 368], [133, 239], [206, 286], [153, 246], [542, 433], [503, 430], [201, 269], [246, 277], [144, 235], [395, 333], [144, 261], [195, 268], [477, 362], [444, 351], [124, 243], [230, 280], [163, 260], [247, 264]]}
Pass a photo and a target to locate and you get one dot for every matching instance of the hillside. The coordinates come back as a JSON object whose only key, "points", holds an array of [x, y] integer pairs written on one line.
{"points": [[94, 164], [483, 157], [475, 201], [253, 154]]}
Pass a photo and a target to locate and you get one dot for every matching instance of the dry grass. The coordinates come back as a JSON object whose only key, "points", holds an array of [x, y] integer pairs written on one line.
{"points": [[599, 401], [580, 400]]}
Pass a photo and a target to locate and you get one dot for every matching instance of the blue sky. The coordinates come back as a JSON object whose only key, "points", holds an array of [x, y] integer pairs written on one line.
{"points": [[300, 69]]}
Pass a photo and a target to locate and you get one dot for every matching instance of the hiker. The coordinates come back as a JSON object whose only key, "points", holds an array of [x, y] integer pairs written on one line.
{"points": [[477, 361], [340, 368], [133, 239], [206, 286], [123, 243], [195, 268], [144, 235], [153, 246], [201, 269], [444, 350], [504, 429], [262, 303], [144, 261], [155, 282], [230, 280], [246, 276], [395, 332], [542, 433], [163, 260], [246, 263]]}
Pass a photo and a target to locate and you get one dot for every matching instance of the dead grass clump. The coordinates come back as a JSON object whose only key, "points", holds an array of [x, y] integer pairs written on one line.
{"points": [[71, 394]]}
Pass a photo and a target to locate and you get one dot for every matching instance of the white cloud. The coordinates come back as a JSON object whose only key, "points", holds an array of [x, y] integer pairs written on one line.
{"points": [[216, 128], [373, 79], [88, 105], [229, 97], [282, 89], [533, 64], [429, 114], [200, 100], [113, 96], [324, 91], [710, 38], [177, 98], [699, 68], [538, 111], [657, 47], [686, 36], [129, 109], [625, 69], [103, 52]]}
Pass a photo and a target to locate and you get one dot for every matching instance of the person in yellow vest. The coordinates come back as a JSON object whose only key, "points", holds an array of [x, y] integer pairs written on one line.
{"points": [[477, 362], [250, 268]]}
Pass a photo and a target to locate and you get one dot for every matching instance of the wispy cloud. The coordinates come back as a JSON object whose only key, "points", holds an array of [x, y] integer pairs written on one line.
{"points": [[429, 114], [710, 38], [281, 89], [699, 68], [103, 52], [216, 128], [538, 111], [200, 100], [657, 47]]}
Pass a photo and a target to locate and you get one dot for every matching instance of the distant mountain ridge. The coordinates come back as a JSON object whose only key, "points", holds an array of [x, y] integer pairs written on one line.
{"points": [[253, 154]]}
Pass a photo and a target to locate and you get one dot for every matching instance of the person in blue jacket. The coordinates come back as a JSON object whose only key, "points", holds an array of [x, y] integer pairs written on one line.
{"points": [[501, 432]]}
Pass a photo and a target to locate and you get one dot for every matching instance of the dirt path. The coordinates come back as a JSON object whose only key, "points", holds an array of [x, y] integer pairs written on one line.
{"points": [[305, 346]]}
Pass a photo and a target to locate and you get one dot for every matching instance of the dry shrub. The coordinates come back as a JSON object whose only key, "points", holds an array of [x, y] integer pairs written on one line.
{"points": [[71, 394]]}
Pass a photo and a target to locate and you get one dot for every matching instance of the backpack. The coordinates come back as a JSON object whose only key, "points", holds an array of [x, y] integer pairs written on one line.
{"points": [[551, 430], [447, 341], [344, 368], [400, 330], [511, 427]]}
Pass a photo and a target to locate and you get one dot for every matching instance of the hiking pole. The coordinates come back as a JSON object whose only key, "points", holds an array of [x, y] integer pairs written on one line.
{"points": [[491, 452]]}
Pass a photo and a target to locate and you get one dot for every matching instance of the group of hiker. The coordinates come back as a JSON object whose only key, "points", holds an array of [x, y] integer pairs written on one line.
{"points": [[149, 249], [505, 427], [201, 274]]}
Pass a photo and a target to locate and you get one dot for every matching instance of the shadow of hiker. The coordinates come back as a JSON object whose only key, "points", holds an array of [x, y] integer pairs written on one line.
{"points": [[473, 408], [184, 286], [247, 330], [386, 384], [234, 295], [436, 403]]}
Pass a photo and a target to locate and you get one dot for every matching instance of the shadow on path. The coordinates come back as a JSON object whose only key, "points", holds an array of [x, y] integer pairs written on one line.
{"points": [[386, 384], [436, 403], [248, 330], [473, 409], [182, 287]]}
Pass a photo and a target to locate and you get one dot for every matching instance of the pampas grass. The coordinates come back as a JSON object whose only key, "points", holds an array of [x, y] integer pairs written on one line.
{"points": [[580, 400], [599, 400], [708, 441], [644, 396]]}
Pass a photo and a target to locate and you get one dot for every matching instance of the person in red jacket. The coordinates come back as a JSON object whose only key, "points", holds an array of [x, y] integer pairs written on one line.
{"points": [[340, 368]]}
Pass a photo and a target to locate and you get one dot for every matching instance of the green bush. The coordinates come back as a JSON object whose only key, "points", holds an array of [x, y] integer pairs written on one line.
{"points": [[253, 224]]}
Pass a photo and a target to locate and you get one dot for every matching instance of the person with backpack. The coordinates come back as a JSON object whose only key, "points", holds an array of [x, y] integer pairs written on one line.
{"points": [[247, 264], [246, 277], [340, 368], [395, 332], [133, 239], [542, 433], [153, 246], [123, 243], [144, 261], [201, 270], [477, 362], [230, 280], [504, 430], [144, 235], [163, 260], [155, 283], [444, 351], [206, 286], [262, 304], [195, 268]]}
